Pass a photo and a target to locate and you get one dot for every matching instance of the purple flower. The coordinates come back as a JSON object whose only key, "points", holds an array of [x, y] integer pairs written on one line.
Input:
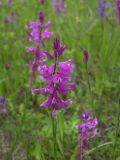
{"points": [[30, 49], [87, 126], [7, 20], [41, 17], [58, 48], [37, 61], [117, 8], [9, 3], [2, 105], [46, 35], [86, 57], [2, 100], [102, 8], [57, 79], [59, 6], [87, 129], [38, 33], [10, 18], [42, 1], [7, 66]]}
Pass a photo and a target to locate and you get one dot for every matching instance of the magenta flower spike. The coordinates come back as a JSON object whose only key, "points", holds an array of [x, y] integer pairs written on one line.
{"points": [[41, 17], [87, 129], [59, 6], [39, 31], [57, 78], [38, 34]]}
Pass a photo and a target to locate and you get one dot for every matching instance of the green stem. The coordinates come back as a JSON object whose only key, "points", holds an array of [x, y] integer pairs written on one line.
{"points": [[116, 133], [100, 146], [54, 129], [92, 102], [89, 86], [61, 131]]}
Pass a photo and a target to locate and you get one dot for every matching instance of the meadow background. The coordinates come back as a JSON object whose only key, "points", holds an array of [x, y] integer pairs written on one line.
{"points": [[25, 130]]}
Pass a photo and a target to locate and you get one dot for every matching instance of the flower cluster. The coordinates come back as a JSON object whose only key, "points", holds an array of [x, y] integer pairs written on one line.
{"points": [[87, 129], [12, 17], [117, 8], [38, 33], [102, 8], [59, 6], [57, 78]]}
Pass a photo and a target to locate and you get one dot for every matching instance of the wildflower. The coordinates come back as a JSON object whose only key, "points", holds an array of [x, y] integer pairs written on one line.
{"points": [[102, 8], [7, 66], [87, 129], [117, 8], [38, 33], [9, 3], [10, 18], [59, 6], [7, 20], [86, 57], [57, 78], [42, 1], [2, 105], [38, 59]]}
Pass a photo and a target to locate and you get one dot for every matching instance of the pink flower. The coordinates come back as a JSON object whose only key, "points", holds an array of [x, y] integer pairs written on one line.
{"points": [[42, 1], [38, 33], [39, 30], [87, 127], [46, 35], [59, 6], [57, 79]]}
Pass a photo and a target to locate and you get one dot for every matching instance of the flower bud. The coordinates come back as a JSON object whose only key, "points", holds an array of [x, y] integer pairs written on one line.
{"points": [[86, 57], [41, 17]]}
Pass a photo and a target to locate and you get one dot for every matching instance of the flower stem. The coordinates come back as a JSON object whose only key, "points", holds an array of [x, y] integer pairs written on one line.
{"points": [[54, 129], [92, 103], [81, 153], [117, 131], [89, 86]]}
